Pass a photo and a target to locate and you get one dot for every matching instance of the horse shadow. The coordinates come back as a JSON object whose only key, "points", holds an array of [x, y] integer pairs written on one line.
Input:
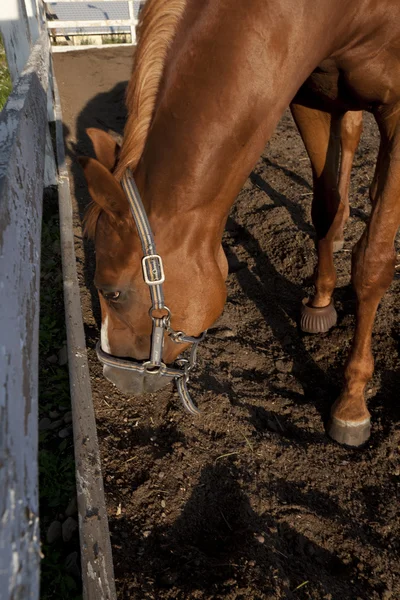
{"points": [[219, 542], [278, 301], [104, 111]]}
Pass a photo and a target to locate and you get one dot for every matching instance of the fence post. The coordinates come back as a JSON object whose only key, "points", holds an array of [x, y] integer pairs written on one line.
{"points": [[132, 18], [20, 27], [14, 28]]}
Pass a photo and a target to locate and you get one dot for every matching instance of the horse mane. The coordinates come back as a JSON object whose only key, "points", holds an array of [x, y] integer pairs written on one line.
{"points": [[157, 26]]}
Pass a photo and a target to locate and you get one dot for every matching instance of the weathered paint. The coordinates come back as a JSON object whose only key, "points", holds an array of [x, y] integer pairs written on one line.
{"points": [[23, 123], [20, 24]]}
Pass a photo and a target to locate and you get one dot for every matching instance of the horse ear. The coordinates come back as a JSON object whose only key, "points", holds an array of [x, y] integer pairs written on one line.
{"points": [[104, 189], [105, 147]]}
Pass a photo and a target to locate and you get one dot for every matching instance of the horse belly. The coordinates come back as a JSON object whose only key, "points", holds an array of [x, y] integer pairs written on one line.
{"points": [[351, 85], [377, 81], [325, 90]]}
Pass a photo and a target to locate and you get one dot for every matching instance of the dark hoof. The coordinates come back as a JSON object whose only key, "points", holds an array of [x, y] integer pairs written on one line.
{"points": [[338, 245], [317, 319], [350, 433]]}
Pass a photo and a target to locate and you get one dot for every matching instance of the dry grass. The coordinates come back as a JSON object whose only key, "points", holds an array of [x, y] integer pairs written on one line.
{"points": [[5, 79]]}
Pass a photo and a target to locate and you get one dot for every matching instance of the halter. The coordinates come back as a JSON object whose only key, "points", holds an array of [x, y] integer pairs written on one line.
{"points": [[153, 275]]}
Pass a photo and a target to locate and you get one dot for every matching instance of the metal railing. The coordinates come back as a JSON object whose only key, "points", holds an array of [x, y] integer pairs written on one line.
{"points": [[74, 33]]}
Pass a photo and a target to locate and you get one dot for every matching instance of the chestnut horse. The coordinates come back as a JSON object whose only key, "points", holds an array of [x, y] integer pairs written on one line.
{"points": [[210, 81]]}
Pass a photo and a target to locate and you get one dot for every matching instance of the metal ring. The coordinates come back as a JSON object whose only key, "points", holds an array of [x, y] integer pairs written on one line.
{"points": [[153, 369], [167, 316], [176, 336]]}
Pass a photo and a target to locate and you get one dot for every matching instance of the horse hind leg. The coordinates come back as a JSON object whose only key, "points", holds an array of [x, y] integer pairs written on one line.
{"points": [[373, 266], [350, 134], [321, 134]]}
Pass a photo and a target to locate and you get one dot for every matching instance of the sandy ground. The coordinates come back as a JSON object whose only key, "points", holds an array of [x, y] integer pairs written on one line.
{"points": [[251, 501]]}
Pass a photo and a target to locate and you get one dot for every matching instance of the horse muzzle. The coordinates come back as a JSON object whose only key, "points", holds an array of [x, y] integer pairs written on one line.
{"points": [[136, 382], [132, 377]]}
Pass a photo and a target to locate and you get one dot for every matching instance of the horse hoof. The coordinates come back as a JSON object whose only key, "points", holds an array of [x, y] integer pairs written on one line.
{"points": [[317, 319], [349, 433], [338, 245]]}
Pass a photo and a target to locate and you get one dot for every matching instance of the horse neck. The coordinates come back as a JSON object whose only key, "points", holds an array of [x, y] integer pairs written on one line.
{"points": [[230, 74]]}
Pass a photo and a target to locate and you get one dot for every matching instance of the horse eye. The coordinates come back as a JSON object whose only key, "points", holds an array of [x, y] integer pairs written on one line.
{"points": [[110, 296]]}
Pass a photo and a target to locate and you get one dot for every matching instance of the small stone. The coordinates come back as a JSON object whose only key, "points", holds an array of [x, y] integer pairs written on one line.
{"points": [[63, 356], [146, 533], [284, 366], [161, 475], [44, 424], [68, 529], [163, 503], [64, 433], [52, 359], [72, 507], [225, 333], [56, 424], [71, 565], [54, 532], [68, 417], [53, 414], [260, 539]]}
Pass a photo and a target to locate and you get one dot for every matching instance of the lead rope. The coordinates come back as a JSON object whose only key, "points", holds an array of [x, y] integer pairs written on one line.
{"points": [[153, 274]]}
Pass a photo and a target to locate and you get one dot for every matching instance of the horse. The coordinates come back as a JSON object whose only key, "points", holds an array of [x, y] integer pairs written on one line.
{"points": [[209, 84]]}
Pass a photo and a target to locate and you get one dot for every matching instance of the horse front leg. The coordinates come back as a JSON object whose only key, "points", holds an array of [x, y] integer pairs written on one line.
{"points": [[372, 272]]}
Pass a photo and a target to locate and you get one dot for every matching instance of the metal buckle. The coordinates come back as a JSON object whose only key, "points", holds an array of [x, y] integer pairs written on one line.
{"points": [[160, 266]]}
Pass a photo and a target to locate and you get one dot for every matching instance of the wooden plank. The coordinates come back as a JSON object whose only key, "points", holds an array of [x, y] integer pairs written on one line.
{"points": [[82, 24], [23, 124], [96, 558]]}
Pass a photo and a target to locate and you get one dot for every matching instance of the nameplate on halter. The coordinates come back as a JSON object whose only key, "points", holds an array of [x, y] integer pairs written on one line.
{"points": [[153, 270]]}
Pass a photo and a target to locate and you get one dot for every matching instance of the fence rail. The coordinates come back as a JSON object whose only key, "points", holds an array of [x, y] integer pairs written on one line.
{"points": [[23, 126], [87, 24], [75, 28]]}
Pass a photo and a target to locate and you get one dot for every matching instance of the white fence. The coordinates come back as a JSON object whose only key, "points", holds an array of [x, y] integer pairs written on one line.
{"points": [[23, 128], [26, 166], [73, 30]]}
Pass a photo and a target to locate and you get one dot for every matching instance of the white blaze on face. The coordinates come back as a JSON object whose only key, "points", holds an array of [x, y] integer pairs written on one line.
{"points": [[105, 344]]}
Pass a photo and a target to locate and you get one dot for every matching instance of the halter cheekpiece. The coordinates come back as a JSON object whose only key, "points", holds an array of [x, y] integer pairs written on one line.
{"points": [[153, 275]]}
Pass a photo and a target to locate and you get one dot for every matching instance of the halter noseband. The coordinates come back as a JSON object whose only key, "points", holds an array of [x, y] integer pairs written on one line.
{"points": [[153, 275]]}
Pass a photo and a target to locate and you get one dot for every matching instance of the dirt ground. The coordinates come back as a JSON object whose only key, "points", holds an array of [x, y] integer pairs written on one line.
{"points": [[250, 501]]}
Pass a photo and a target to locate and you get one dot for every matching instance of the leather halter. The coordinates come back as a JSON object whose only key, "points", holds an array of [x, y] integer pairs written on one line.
{"points": [[153, 275]]}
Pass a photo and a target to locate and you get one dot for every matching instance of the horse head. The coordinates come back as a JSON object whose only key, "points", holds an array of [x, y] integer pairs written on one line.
{"points": [[193, 261]]}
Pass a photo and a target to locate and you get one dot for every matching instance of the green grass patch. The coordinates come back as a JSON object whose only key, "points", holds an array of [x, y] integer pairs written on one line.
{"points": [[5, 79], [59, 580], [116, 38]]}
